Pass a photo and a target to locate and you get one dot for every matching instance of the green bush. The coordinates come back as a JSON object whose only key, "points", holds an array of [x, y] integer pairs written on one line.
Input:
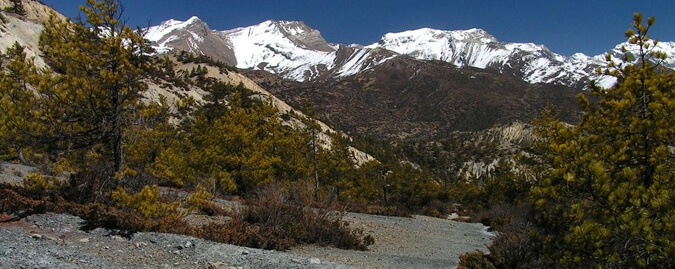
{"points": [[39, 183], [199, 199], [146, 202]]}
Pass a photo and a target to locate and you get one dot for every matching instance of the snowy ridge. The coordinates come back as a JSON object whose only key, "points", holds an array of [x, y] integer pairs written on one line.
{"points": [[667, 47], [290, 49], [162, 33], [476, 48], [265, 46], [157, 32], [533, 63], [295, 51], [449, 46]]}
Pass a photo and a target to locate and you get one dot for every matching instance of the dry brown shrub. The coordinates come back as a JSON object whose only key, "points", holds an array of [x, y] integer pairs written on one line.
{"points": [[380, 210], [475, 260], [297, 219], [271, 220]]}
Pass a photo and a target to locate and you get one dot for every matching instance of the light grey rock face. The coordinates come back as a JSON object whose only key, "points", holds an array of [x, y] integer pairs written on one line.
{"points": [[14, 174], [193, 36], [303, 35]]}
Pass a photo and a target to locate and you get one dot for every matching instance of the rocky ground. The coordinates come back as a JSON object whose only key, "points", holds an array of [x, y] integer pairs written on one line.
{"points": [[14, 174], [56, 241]]}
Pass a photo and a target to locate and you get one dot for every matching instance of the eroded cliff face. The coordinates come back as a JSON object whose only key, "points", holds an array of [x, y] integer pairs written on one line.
{"points": [[508, 141], [24, 29]]}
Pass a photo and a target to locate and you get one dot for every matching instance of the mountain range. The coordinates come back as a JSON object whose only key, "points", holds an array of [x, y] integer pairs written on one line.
{"points": [[422, 84], [297, 52]]}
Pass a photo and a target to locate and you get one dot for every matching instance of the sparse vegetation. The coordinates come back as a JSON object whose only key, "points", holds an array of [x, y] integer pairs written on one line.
{"points": [[200, 200], [39, 183], [300, 219], [16, 7]]}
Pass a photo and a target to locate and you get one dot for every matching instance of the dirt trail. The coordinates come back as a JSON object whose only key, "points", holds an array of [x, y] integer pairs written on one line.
{"points": [[418, 242]]}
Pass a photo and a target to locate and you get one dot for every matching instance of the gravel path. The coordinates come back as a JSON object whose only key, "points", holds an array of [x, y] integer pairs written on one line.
{"points": [[55, 241], [418, 242]]}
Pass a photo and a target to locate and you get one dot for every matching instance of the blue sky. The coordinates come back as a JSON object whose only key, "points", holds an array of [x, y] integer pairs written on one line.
{"points": [[564, 26]]}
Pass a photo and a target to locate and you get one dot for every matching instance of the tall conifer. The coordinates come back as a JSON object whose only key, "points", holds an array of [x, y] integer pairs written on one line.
{"points": [[607, 198], [79, 104]]}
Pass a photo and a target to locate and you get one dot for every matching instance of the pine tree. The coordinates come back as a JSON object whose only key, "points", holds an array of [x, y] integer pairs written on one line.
{"points": [[607, 198], [233, 146], [18, 103], [335, 165], [313, 129], [80, 103]]}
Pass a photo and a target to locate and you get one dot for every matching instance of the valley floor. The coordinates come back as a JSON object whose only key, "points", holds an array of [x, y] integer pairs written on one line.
{"points": [[55, 241], [417, 242]]}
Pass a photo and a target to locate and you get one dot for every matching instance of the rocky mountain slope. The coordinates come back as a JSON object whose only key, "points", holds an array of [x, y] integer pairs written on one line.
{"points": [[235, 78], [297, 52], [409, 98]]}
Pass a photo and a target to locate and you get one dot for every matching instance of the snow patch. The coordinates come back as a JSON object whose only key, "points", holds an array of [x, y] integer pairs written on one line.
{"points": [[156, 33]]}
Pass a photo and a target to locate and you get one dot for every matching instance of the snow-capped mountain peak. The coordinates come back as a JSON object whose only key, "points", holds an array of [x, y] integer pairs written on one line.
{"points": [[434, 34], [289, 48], [477, 48], [165, 28], [298, 52], [188, 34], [432, 44], [296, 32]]}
